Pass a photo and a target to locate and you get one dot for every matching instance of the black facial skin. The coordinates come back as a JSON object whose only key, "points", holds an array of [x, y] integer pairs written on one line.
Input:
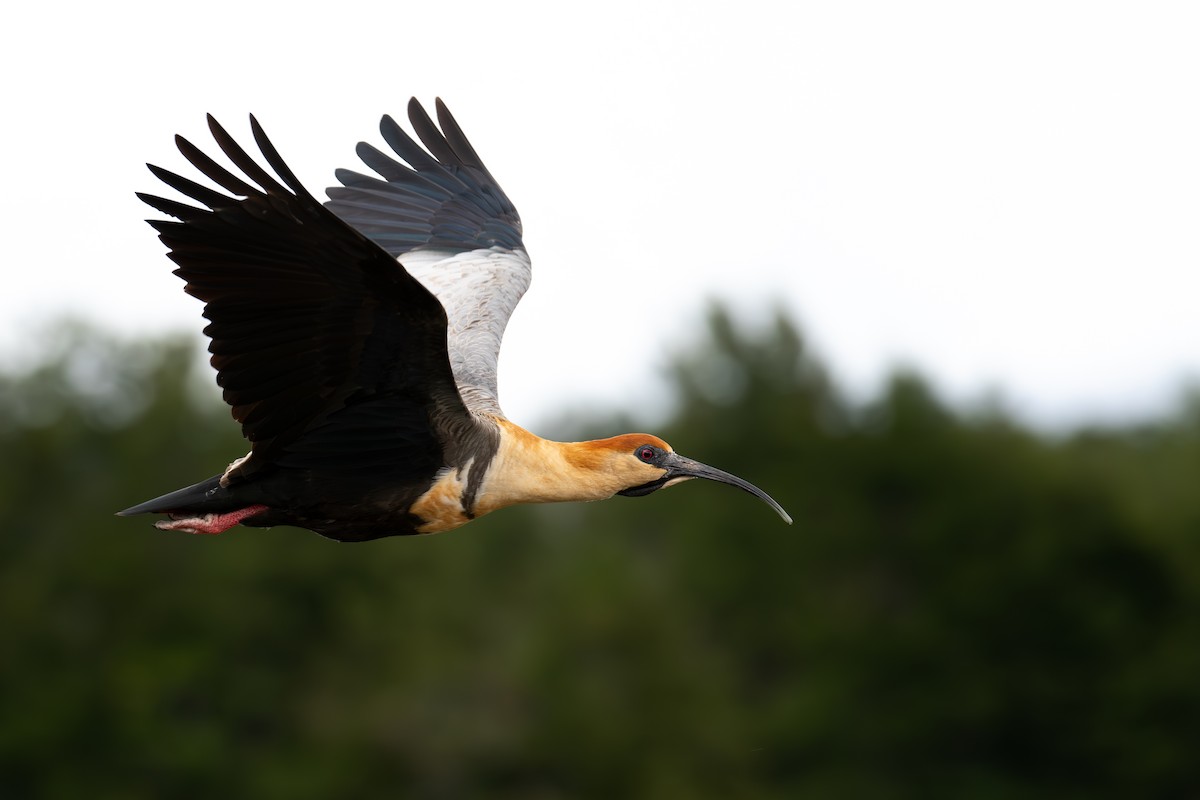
{"points": [[650, 454], [654, 456]]}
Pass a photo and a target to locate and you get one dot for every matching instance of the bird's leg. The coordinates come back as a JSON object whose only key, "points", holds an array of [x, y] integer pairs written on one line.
{"points": [[209, 523]]}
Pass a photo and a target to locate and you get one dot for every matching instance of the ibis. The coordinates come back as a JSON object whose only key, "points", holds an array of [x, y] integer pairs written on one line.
{"points": [[356, 343]]}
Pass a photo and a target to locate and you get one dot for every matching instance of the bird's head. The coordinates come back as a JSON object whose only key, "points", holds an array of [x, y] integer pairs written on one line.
{"points": [[645, 463]]}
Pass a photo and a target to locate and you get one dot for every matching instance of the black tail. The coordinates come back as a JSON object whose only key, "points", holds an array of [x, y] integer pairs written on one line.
{"points": [[200, 498]]}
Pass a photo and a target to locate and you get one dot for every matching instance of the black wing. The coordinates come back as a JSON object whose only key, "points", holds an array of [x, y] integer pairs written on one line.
{"points": [[324, 345], [445, 200]]}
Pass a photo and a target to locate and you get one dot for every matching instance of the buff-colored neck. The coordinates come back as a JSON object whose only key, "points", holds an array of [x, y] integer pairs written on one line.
{"points": [[529, 469]]}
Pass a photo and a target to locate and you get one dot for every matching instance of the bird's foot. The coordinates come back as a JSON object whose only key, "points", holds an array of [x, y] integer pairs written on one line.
{"points": [[209, 523]]}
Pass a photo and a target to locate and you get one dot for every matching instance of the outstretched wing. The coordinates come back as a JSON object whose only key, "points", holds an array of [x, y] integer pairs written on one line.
{"points": [[329, 353], [442, 214]]}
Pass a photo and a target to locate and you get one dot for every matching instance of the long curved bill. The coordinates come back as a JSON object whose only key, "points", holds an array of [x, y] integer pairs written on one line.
{"points": [[681, 468]]}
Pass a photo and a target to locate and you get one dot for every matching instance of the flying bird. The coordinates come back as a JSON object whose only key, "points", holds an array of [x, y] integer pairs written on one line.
{"points": [[356, 343]]}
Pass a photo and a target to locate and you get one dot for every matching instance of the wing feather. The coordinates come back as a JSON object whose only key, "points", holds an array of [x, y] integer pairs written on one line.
{"points": [[442, 214], [319, 338]]}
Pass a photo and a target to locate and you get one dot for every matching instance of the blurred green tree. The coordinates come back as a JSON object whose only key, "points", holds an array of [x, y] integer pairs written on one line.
{"points": [[965, 608]]}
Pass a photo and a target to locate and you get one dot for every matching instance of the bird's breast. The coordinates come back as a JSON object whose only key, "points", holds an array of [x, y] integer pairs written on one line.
{"points": [[441, 507]]}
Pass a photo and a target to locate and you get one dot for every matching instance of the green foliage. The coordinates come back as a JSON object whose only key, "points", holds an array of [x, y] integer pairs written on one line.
{"points": [[964, 608]]}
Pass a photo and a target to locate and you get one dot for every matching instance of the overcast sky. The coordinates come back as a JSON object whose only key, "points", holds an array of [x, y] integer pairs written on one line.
{"points": [[1003, 195]]}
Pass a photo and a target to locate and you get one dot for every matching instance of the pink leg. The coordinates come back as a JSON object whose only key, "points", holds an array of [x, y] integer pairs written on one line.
{"points": [[209, 523]]}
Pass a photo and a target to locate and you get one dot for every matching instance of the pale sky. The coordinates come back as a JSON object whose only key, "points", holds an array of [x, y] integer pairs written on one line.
{"points": [[1004, 195]]}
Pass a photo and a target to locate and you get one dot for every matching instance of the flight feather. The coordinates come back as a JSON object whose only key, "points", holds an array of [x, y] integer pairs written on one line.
{"points": [[439, 211]]}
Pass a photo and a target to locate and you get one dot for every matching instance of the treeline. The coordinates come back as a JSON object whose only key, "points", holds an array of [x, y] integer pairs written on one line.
{"points": [[964, 607]]}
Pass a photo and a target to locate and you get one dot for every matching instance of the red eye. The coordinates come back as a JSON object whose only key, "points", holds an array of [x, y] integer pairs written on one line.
{"points": [[646, 454]]}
